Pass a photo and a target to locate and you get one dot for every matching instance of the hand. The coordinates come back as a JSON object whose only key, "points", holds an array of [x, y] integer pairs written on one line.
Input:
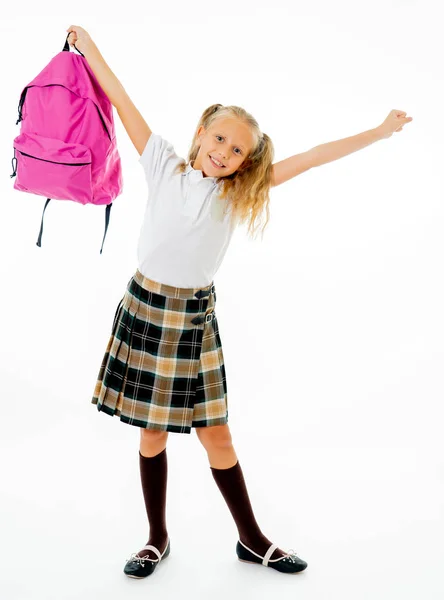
{"points": [[393, 123], [79, 37]]}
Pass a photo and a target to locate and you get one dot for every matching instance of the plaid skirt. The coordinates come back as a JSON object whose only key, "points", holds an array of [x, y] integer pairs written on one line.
{"points": [[163, 367]]}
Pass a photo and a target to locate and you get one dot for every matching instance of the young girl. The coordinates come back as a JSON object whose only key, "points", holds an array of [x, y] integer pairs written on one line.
{"points": [[163, 370]]}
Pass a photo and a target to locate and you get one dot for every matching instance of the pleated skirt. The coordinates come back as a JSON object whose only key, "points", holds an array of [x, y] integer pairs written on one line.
{"points": [[163, 367]]}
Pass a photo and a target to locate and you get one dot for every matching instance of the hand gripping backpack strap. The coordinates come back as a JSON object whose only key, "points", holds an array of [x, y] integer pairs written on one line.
{"points": [[66, 46]]}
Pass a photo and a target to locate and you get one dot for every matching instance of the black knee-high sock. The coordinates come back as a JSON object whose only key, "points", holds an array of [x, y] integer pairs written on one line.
{"points": [[153, 475], [231, 483]]}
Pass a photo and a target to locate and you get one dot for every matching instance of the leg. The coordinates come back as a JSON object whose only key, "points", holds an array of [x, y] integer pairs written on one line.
{"points": [[152, 442], [153, 474], [218, 444], [228, 475]]}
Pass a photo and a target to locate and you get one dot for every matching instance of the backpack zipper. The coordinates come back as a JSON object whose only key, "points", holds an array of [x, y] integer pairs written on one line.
{"points": [[14, 168], [52, 161], [20, 106], [23, 96]]}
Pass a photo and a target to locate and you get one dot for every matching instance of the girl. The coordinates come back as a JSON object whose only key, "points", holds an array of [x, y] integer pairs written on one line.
{"points": [[163, 370]]}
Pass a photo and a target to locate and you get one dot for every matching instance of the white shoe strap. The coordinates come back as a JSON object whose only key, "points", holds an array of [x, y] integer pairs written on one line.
{"points": [[268, 554], [154, 549]]}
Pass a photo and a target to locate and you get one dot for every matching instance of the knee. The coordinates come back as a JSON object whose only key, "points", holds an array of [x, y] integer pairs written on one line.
{"points": [[217, 436], [151, 438]]}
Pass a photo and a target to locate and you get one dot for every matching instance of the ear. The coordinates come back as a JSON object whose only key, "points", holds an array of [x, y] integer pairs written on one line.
{"points": [[201, 131]]}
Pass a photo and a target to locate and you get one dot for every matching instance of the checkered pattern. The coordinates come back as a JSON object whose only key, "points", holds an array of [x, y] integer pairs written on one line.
{"points": [[163, 367]]}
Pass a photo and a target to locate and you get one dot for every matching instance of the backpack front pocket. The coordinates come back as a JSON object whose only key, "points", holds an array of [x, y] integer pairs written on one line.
{"points": [[53, 168]]}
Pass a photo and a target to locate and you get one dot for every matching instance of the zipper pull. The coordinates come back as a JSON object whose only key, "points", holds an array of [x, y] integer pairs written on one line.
{"points": [[14, 168], [20, 111], [20, 106]]}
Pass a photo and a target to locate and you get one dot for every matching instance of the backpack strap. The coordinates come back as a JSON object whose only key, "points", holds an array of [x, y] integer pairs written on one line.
{"points": [[107, 214], [66, 46], [39, 241]]}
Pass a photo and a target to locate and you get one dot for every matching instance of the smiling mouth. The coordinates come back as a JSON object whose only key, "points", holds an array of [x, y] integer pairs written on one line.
{"points": [[218, 166]]}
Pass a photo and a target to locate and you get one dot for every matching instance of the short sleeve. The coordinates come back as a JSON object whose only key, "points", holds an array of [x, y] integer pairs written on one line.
{"points": [[158, 159]]}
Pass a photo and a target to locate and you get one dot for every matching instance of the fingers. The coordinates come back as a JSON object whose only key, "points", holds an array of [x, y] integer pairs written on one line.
{"points": [[73, 29], [401, 114]]}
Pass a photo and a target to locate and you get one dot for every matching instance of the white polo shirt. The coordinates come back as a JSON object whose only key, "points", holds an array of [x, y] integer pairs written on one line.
{"points": [[184, 234]]}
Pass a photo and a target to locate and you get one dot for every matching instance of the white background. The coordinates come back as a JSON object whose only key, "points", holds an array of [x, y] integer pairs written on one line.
{"points": [[332, 324]]}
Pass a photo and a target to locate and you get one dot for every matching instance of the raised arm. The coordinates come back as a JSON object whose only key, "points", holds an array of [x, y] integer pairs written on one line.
{"points": [[319, 155], [132, 120]]}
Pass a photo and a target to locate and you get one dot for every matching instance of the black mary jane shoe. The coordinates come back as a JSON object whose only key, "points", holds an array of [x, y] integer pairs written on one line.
{"points": [[142, 566], [290, 563]]}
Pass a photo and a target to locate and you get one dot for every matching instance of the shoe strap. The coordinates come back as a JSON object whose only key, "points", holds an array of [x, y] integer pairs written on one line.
{"points": [[268, 554], [154, 549]]}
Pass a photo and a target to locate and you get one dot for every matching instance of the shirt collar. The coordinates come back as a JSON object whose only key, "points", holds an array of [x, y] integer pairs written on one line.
{"points": [[197, 174]]}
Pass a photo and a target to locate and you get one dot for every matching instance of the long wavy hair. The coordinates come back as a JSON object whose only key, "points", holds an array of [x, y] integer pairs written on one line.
{"points": [[247, 189]]}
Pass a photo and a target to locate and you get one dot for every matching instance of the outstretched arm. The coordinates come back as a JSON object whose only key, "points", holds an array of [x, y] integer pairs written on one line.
{"points": [[324, 153], [135, 125]]}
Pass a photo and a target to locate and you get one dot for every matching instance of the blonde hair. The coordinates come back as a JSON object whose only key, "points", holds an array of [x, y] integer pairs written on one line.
{"points": [[247, 189]]}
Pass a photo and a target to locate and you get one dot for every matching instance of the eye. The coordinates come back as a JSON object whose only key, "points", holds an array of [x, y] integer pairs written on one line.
{"points": [[240, 151]]}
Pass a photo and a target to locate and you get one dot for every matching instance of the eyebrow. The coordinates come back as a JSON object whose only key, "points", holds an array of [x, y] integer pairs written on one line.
{"points": [[239, 145]]}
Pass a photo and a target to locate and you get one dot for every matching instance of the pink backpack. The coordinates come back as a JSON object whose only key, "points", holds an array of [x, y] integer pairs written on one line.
{"points": [[67, 149]]}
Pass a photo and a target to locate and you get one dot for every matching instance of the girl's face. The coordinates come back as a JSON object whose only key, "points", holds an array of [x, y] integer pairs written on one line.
{"points": [[228, 141]]}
